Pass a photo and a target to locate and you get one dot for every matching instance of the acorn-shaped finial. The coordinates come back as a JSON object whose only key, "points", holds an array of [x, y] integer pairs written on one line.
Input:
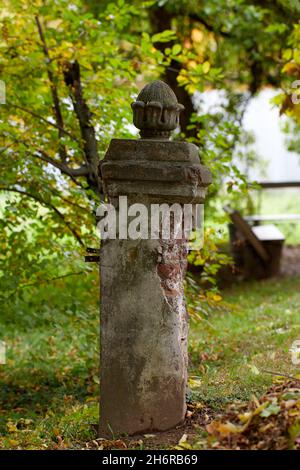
{"points": [[156, 111]]}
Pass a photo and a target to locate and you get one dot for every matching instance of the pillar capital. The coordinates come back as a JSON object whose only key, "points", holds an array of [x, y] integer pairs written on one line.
{"points": [[156, 111]]}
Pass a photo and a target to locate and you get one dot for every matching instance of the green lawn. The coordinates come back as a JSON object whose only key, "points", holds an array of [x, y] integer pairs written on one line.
{"points": [[49, 386], [252, 334]]}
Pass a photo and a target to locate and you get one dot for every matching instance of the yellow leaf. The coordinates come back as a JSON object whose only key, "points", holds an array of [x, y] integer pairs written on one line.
{"points": [[194, 382], [294, 413], [206, 66], [54, 23], [11, 427], [288, 54], [290, 68], [245, 416], [229, 428], [266, 427], [13, 443], [192, 64], [89, 399], [261, 408], [217, 297], [184, 445], [197, 35], [225, 429], [192, 89]]}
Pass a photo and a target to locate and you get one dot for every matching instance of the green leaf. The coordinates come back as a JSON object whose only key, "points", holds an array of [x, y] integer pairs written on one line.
{"points": [[165, 36], [176, 49], [271, 409]]}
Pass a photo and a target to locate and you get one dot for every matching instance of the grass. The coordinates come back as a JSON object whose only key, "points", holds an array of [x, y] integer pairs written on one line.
{"points": [[49, 386], [250, 334]]}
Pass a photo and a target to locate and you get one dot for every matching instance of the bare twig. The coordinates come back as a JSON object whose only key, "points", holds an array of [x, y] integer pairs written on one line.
{"points": [[279, 374]]}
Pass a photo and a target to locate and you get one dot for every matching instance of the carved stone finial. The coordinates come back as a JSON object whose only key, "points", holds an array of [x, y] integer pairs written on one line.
{"points": [[156, 111]]}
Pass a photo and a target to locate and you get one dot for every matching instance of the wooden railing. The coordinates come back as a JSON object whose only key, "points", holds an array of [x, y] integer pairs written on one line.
{"points": [[279, 184]]}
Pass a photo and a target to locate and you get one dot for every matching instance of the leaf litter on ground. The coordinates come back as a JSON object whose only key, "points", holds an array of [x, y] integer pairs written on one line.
{"points": [[271, 422]]}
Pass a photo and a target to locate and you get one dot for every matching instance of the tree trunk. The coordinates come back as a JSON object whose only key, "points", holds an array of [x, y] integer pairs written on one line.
{"points": [[160, 20]]}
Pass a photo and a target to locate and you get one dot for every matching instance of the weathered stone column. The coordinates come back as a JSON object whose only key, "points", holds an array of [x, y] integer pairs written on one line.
{"points": [[143, 370]]}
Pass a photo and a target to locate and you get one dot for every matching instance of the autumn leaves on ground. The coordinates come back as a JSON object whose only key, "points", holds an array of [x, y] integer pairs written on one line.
{"points": [[49, 386]]}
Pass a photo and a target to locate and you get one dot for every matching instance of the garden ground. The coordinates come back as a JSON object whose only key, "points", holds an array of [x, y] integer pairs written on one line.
{"points": [[49, 386]]}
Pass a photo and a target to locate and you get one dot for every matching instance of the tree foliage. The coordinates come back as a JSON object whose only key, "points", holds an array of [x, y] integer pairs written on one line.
{"points": [[70, 78], [71, 70]]}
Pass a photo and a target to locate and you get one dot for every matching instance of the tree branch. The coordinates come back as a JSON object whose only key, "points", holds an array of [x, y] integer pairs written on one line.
{"points": [[161, 19], [84, 115], [67, 201], [41, 118], [53, 87], [47, 204], [64, 168], [72, 172]]}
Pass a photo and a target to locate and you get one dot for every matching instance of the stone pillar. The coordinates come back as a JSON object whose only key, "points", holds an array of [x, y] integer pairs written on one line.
{"points": [[143, 368]]}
